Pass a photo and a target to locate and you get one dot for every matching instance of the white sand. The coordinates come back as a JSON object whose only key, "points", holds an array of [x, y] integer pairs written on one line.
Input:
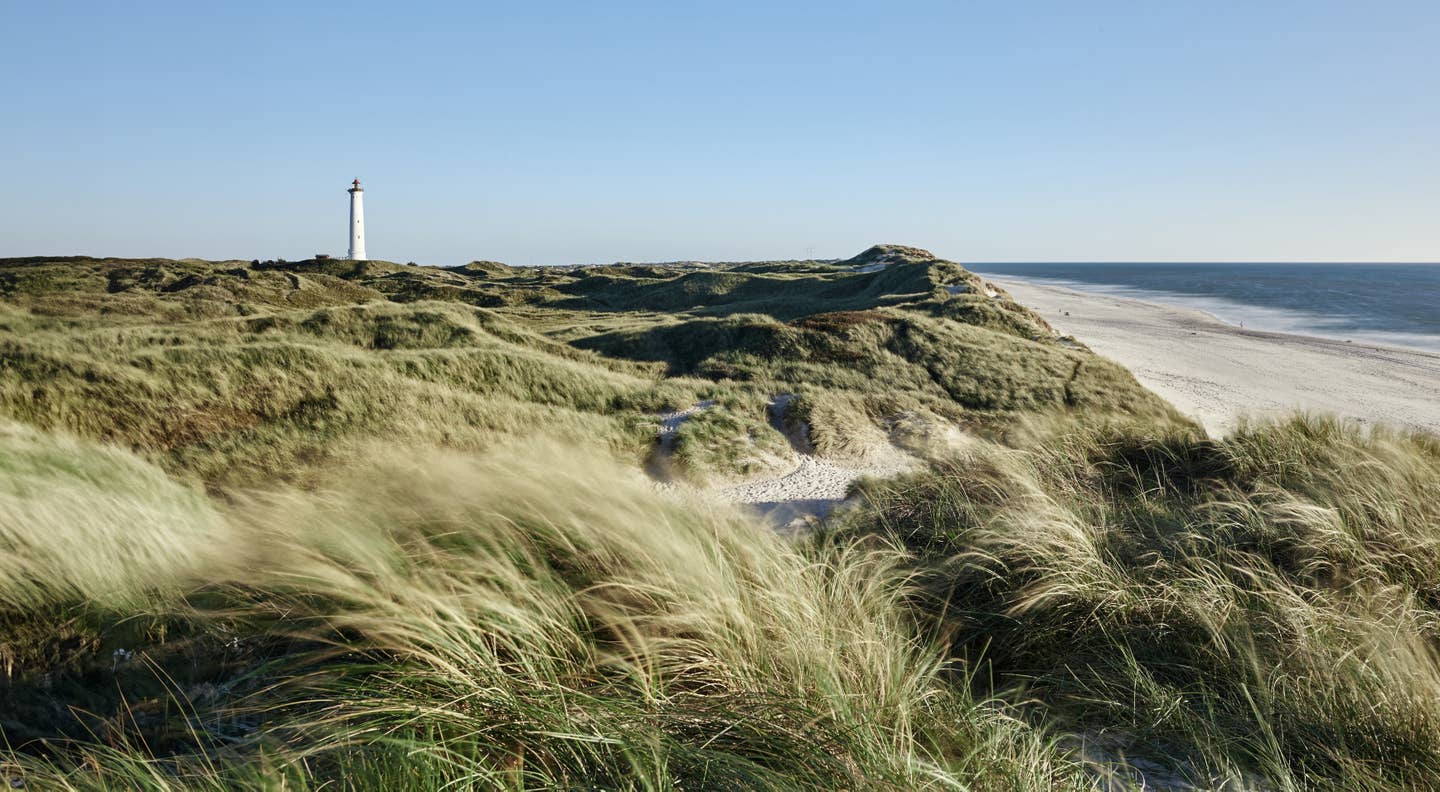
{"points": [[1217, 372], [812, 489]]}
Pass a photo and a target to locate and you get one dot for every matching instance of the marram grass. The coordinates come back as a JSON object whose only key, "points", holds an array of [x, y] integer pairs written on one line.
{"points": [[522, 620], [1259, 610], [339, 525]]}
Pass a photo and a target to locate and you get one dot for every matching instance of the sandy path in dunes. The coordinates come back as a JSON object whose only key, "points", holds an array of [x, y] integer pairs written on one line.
{"points": [[813, 489], [1218, 373]]}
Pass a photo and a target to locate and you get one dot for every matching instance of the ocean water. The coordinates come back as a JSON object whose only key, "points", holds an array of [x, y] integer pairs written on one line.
{"points": [[1390, 304]]}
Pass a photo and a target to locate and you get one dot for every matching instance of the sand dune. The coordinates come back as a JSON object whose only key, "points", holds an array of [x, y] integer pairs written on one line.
{"points": [[1217, 372], [812, 489]]}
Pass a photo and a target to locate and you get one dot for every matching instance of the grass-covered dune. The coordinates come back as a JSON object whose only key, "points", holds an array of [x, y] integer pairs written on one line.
{"points": [[1261, 608], [364, 525], [239, 374]]}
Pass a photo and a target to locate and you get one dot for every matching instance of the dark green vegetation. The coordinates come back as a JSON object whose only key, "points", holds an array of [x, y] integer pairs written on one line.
{"points": [[1263, 607], [277, 524]]}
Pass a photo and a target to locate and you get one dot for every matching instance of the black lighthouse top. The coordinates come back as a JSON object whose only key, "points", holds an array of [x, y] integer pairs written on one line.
{"points": [[356, 187]]}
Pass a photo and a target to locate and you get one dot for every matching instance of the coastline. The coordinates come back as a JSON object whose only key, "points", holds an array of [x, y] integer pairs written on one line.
{"points": [[1220, 373], [1265, 318]]}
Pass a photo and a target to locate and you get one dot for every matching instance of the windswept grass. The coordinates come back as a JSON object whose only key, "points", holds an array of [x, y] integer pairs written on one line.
{"points": [[323, 524], [523, 620], [1260, 608]]}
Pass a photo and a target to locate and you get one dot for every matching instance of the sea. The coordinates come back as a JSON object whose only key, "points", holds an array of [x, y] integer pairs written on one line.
{"points": [[1390, 304]]}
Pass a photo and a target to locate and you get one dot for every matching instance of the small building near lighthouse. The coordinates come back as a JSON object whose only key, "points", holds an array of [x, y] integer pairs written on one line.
{"points": [[357, 222]]}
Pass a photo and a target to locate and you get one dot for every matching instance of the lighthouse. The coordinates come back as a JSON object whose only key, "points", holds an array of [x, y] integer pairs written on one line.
{"points": [[357, 222]]}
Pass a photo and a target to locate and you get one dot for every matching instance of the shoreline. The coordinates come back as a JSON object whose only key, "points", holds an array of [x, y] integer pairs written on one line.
{"points": [[1280, 321], [1219, 373]]}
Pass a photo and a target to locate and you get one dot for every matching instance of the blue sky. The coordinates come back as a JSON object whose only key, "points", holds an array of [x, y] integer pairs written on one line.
{"points": [[552, 133]]}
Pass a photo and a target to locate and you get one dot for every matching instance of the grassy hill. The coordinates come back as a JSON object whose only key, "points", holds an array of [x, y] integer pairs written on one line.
{"points": [[283, 524], [240, 374]]}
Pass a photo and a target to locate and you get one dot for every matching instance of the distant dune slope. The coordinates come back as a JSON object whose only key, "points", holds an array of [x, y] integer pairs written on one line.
{"points": [[242, 372]]}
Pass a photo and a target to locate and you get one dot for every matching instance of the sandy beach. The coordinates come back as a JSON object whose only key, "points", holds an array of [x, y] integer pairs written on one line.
{"points": [[1218, 373]]}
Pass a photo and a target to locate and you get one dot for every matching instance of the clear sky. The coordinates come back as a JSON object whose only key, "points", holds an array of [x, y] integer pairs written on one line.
{"points": [[547, 133]]}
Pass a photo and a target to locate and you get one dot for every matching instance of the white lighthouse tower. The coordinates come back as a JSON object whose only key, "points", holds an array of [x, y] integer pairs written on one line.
{"points": [[357, 222]]}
